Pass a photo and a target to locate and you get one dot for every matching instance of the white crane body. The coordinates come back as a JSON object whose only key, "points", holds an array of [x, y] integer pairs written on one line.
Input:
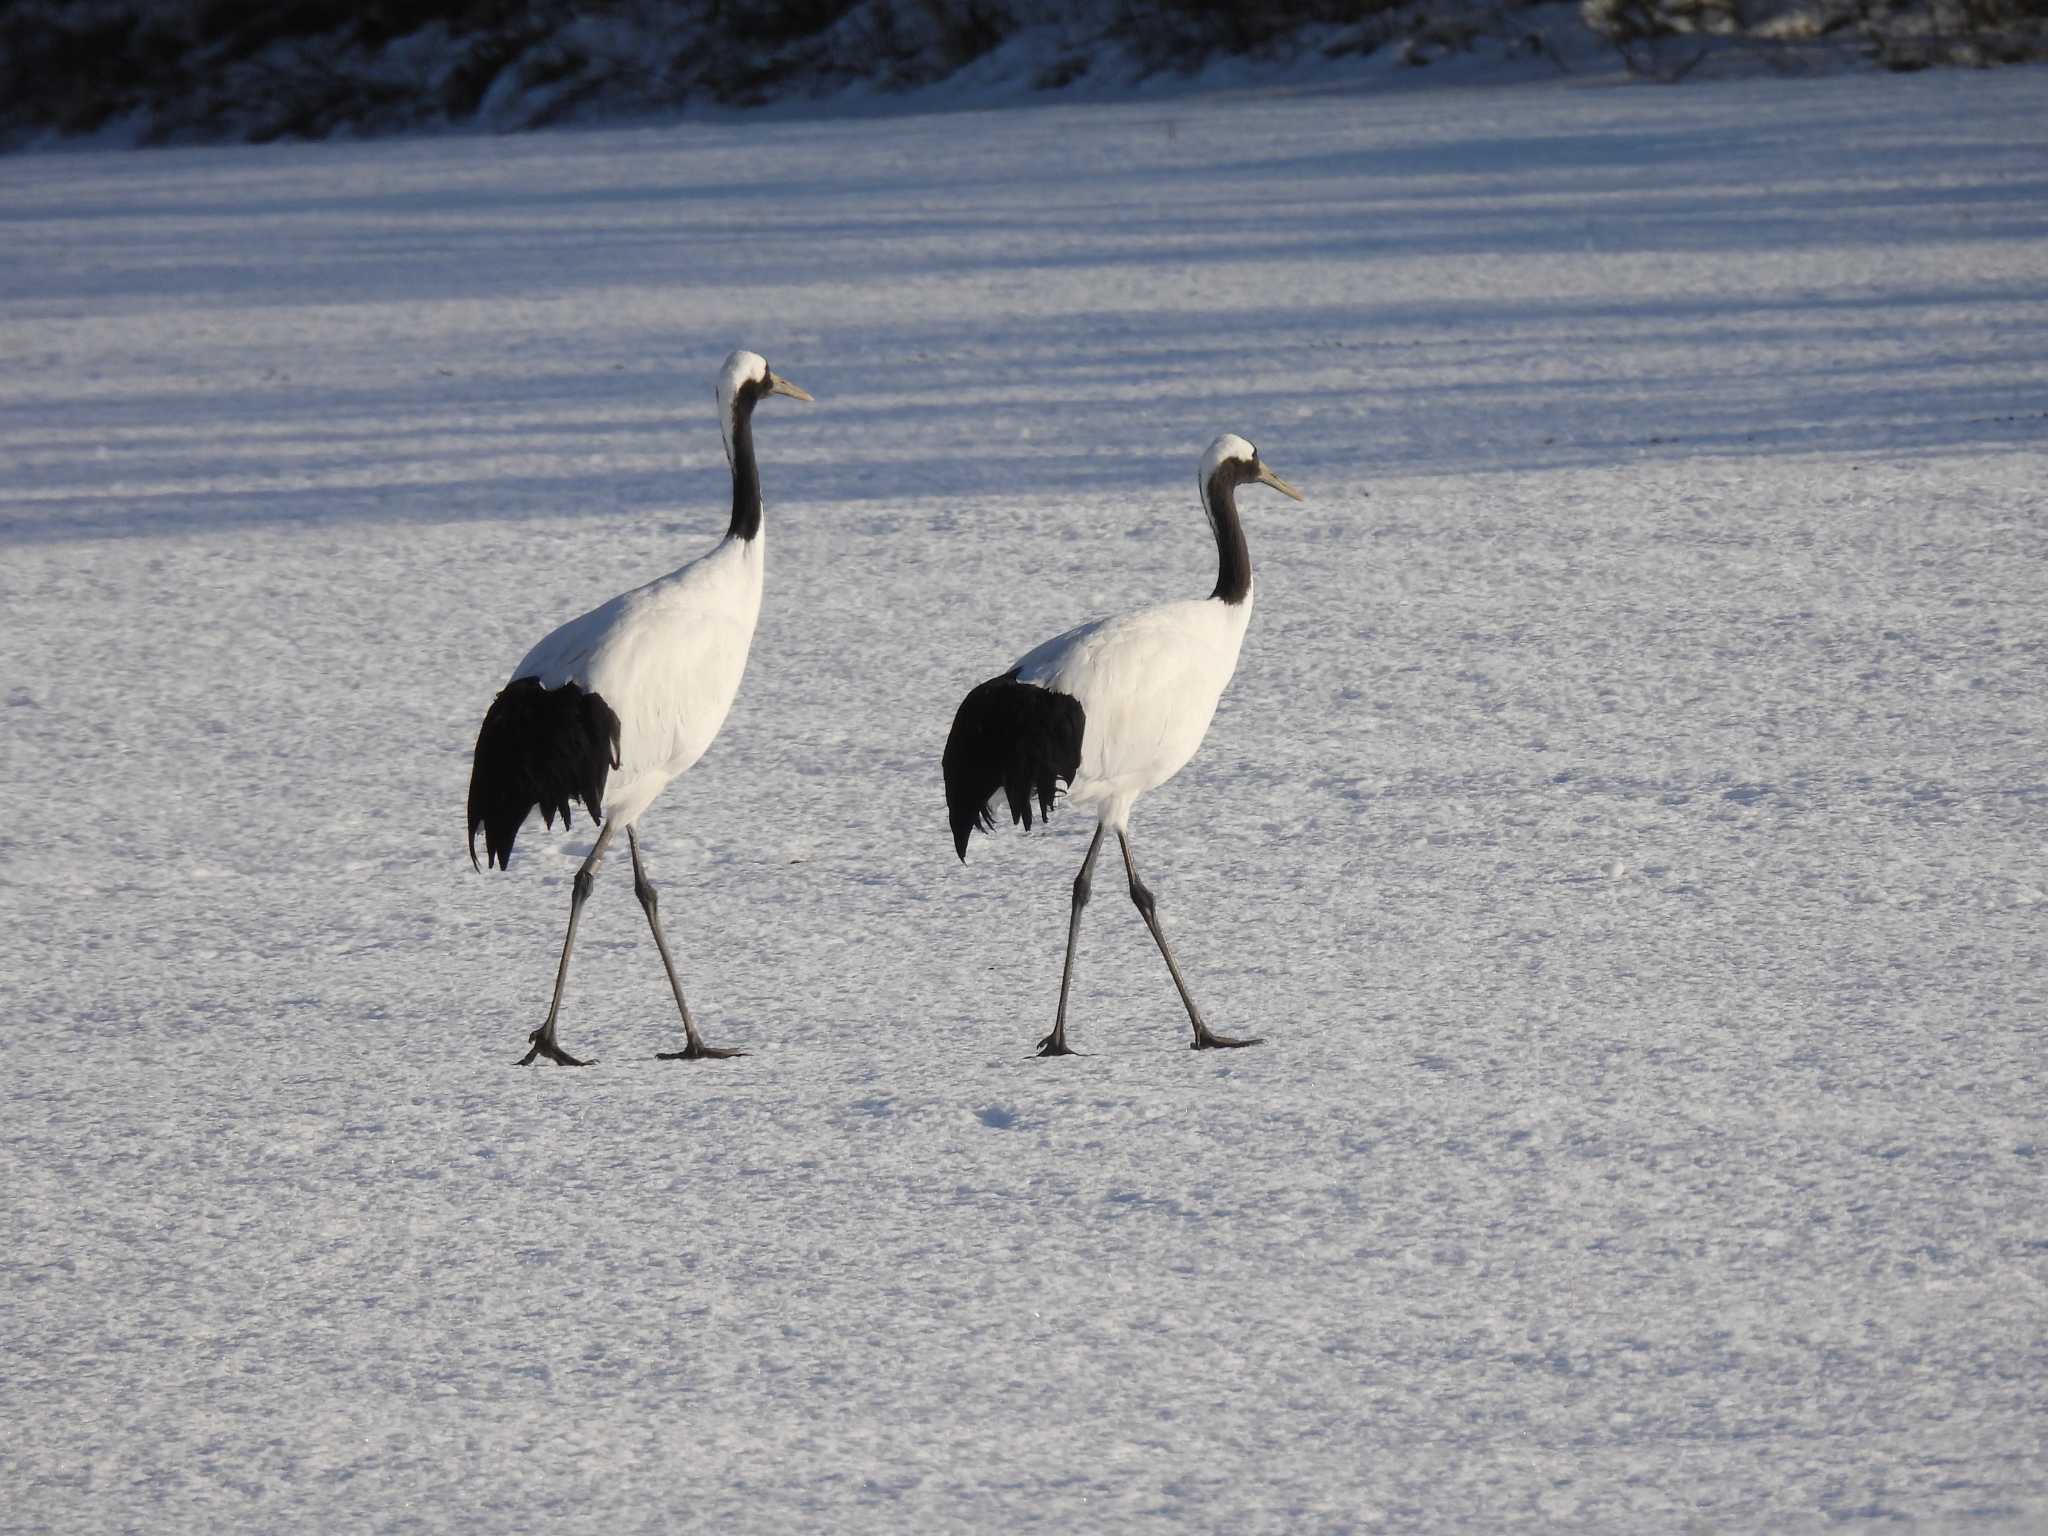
{"points": [[614, 704], [1110, 710], [667, 658], [1149, 683]]}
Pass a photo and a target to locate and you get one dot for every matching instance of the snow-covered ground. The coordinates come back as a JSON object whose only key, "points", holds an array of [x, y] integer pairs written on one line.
{"points": [[1627, 826]]}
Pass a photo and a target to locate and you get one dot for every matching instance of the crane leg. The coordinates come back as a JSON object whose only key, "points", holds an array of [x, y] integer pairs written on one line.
{"points": [[696, 1049], [1055, 1044], [543, 1039], [1148, 908]]}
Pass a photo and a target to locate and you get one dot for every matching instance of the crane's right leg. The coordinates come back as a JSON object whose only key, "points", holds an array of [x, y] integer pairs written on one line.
{"points": [[1206, 1039], [1055, 1044], [543, 1039], [694, 1049]]}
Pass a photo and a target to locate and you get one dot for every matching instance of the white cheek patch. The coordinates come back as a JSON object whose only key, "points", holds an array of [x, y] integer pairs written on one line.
{"points": [[1225, 449], [741, 369]]}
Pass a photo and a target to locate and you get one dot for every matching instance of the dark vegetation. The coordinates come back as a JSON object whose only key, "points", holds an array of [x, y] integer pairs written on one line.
{"points": [[186, 70], [1668, 39]]}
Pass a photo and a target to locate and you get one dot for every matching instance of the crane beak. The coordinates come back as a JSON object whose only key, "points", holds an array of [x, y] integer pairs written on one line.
{"points": [[778, 385], [1267, 477]]}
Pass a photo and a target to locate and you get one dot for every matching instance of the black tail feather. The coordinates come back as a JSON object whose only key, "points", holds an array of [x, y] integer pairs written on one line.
{"points": [[1010, 736], [538, 747]]}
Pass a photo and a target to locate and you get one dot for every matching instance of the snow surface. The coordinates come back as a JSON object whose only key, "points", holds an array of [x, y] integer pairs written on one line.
{"points": [[1626, 826]]}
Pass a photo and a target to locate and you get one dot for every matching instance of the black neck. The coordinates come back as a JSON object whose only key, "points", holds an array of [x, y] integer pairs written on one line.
{"points": [[746, 475], [1233, 555]]}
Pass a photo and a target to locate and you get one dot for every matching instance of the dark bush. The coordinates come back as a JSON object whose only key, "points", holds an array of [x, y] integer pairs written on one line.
{"points": [[230, 68]]}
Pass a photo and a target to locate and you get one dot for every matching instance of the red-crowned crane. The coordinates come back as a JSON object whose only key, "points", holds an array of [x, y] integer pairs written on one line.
{"points": [[613, 705], [1111, 710]]}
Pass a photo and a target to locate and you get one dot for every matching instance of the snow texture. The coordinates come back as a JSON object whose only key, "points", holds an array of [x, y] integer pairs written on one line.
{"points": [[1626, 826]]}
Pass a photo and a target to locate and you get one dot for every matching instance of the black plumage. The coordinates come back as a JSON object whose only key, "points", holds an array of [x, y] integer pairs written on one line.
{"points": [[1010, 736], [538, 747]]}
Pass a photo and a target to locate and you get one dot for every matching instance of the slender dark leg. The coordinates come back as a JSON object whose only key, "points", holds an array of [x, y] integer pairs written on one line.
{"points": [[1205, 1039], [1055, 1044], [696, 1049], [543, 1039]]}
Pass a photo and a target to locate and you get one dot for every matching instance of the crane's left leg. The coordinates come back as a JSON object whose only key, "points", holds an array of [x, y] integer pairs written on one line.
{"points": [[1141, 897], [1055, 1044], [696, 1050], [543, 1039]]}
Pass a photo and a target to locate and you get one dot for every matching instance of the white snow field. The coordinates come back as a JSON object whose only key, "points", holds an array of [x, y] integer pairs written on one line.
{"points": [[1626, 825]]}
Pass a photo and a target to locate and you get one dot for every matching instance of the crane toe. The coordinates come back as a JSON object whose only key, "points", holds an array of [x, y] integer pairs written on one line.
{"points": [[697, 1050], [544, 1045], [1208, 1040]]}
